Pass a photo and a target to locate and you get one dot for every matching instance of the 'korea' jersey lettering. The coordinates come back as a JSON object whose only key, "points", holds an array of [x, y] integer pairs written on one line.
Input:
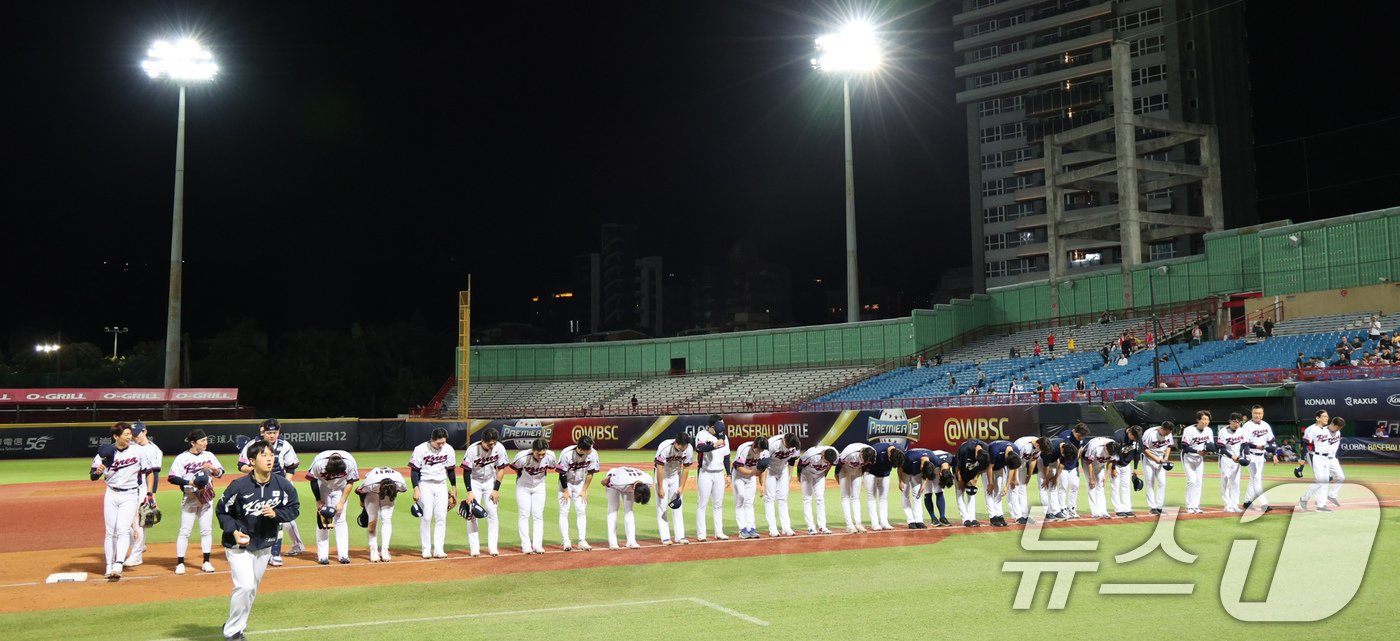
{"points": [[333, 482], [532, 471], [186, 465], [123, 467], [481, 464], [576, 466], [670, 461], [430, 463]]}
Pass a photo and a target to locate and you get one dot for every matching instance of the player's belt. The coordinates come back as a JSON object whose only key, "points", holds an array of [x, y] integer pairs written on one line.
{"points": [[432, 480], [1257, 452], [122, 489], [1322, 455], [714, 471]]}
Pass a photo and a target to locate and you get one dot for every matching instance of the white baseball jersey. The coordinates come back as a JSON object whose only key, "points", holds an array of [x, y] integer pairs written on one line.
{"points": [[620, 478], [1096, 450], [1311, 433], [576, 467], [532, 472], [333, 483], [1153, 441], [482, 465], [151, 457], [186, 465], [123, 467], [712, 461], [1229, 440], [672, 462], [284, 460], [1194, 439], [1327, 443], [380, 475], [1257, 435], [812, 463], [850, 460], [745, 455], [1025, 446], [780, 453], [431, 464]]}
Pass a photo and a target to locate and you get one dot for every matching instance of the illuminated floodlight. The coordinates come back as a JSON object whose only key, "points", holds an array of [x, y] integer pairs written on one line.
{"points": [[182, 60], [854, 49], [46, 348]]}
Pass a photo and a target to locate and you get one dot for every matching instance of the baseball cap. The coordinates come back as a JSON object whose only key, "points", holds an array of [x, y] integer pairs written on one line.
{"points": [[137, 428]]}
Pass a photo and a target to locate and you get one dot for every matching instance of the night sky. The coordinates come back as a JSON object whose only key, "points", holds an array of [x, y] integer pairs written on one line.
{"points": [[355, 161]]}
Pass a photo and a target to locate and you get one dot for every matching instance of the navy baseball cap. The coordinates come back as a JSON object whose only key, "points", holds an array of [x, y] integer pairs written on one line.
{"points": [[137, 428], [719, 427]]}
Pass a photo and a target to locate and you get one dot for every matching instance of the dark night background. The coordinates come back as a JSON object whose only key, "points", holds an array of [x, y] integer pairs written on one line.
{"points": [[353, 162]]}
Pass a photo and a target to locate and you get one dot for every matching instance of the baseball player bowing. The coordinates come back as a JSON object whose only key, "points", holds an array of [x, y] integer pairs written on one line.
{"points": [[625, 486], [916, 478], [783, 452], [382, 485], [1098, 456], [1228, 442], [1122, 474], [850, 472], [812, 467], [972, 458], [749, 462], [1000, 477], [711, 476], [284, 464], [888, 456], [673, 458], [434, 490], [484, 464], [577, 465], [332, 475], [151, 462], [119, 464], [1018, 497], [1327, 468], [192, 471], [251, 513], [1196, 441], [1259, 444], [531, 468], [1056, 456], [1156, 459]]}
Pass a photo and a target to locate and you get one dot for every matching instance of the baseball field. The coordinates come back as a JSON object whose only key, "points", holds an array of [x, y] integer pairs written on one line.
{"points": [[935, 583]]}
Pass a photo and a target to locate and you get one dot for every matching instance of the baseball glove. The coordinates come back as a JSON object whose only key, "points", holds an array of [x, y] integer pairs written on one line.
{"points": [[325, 517], [148, 514]]}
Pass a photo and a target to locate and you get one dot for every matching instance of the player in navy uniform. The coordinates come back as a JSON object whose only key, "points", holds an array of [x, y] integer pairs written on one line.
{"points": [[1121, 477], [251, 513], [1057, 455], [877, 483], [943, 463], [1001, 478], [972, 459], [1079, 436], [916, 478]]}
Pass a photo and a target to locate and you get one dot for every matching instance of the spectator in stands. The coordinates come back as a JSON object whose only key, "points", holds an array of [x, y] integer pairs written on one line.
{"points": [[1375, 329], [1269, 328], [1258, 329], [748, 401], [1093, 390], [1288, 451], [1301, 362], [1105, 318], [981, 376], [938, 358], [1036, 349], [1079, 385], [1196, 334], [1040, 391], [919, 362], [1357, 343], [1069, 345], [1015, 387], [634, 403], [1015, 352], [1050, 342], [1380, 431], [1103, 352], [1342, 361], [1055, 392]]}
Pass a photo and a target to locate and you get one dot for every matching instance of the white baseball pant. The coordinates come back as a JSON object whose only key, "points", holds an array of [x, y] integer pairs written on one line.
{"points": [[1122, 489], [529, 509], [877, 498], [745, 489], [1255, 493], [1097, 473], [118, 515], [342, 532], [1154, 484], [482, 491], [578, 500], [967, 504], [432, 528], [1069, 490], [381, 522], [775, 499], [669, 486], [1194, 465], [911, 497], [618, 498], [191, 510], [813, 499], [709, 489], [247, 568], [998, 479], [850, 484], [1050, 492], [1018, 499], [1326, 468], [1230, 483], [138, 535]]}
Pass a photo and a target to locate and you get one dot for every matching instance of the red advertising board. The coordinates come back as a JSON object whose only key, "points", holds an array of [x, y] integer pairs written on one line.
{"points": [[116, 395]]}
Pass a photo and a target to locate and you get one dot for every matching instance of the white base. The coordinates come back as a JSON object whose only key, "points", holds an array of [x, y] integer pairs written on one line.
{"points": [[67, 577]]}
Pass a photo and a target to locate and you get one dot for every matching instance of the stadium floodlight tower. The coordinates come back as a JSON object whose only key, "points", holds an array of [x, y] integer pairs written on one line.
{"points": [[182, 62], [853, 50]]}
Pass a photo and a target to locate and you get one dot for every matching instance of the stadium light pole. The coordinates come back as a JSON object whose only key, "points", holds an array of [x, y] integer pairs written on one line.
{"points": [[182, 62], [852, 50]]}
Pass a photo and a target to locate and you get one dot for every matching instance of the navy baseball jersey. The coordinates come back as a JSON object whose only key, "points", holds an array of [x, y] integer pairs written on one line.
{"points": [[967, 464], [1070, 463], [913, 460], [1068, 435], [882, 466], [941, 458], [999, 450], [1127, 449]]}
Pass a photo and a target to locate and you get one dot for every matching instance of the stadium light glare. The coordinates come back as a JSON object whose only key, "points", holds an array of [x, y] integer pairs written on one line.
{"points": [[183, 60], [855, 48]]}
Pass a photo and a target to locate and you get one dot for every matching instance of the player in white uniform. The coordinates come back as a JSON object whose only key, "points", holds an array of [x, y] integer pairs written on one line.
{"points": [[378, 492], [434, 490], [812, 467], [191, 471], [625, 486], [484, 464], [152, 459], [1327, 467], [332, 475], [531, 468], [284, 463], [673, 456], [1157, 446], [1018, 498], [577, 465], [1310, 435], [1258, 443], [711, 476], [783, 452], [850, 479], [1196, 440], [119, 464], [749, 463], [1099, 453], [1228, 442]]}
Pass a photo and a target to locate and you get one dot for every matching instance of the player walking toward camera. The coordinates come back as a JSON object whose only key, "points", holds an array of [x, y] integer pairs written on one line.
{"points": [[1123, 476], [577, 465], [972, 459], [1258, 443], [749, 462], [1099, 454], [332, 475], [812, 467], [1018, 497], [1327, 467], [673, 458], [1196, 441], [784, 450], [251, 513], [1310, 434], [852, 463], [285, 463], [483, 466], [625, 487], [193, 471], [434, 490], [711, 476], [1229, 443], [877, 483], [1156, 453], [152, 459], [999, 478], [378, 492], [119, 465], [531, 468]]}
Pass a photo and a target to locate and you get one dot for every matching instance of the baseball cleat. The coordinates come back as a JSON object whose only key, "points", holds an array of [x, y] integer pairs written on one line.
{"points": [[323, 561], [1303, 504], [1266, 509], [851, 529], [474, 554], [721, 536], [131, 563], [860, 529], [439, 555], [1324, 508], [275, 562], [682, 541], [495, 554], [1022, 521], [700, 539], [296, 551], [665, 541], [634, 546], [975, 523], [207, 567], [773, 534], [525, 550], [385, 557], [116, 570], [584, 546], [824, 531], [345, 560], [1334, 501], [613, 546], [374, 556], [429, 555], [811, 532], [944, 521], [179, 568], [567, 548]]}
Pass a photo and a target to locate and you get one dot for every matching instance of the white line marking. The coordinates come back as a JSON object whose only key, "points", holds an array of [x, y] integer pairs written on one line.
{"points": [[481, 615], [17, 585]]}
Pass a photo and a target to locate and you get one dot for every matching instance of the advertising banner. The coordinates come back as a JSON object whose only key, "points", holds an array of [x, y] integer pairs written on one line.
{"points": [[57, 441], [1382, 449], [1360, 401], [121, 395]]}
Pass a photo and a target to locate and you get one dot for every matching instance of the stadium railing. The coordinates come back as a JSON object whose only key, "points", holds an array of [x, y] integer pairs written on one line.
{"points": [[1257, 377], [972, 400]]}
